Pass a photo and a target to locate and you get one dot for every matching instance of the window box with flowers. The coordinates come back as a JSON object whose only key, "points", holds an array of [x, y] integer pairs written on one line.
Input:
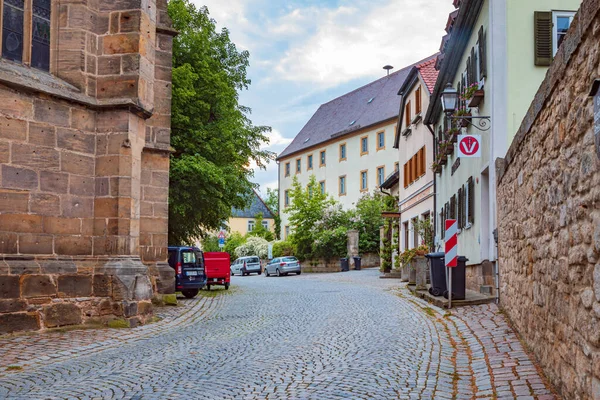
{"points": [[463, 112], [452, 135], [442, 158], [436, 168]]}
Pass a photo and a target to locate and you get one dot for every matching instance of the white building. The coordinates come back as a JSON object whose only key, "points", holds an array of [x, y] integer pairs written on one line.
{"points": [[414, 142], [347, 145], [504, 48]]}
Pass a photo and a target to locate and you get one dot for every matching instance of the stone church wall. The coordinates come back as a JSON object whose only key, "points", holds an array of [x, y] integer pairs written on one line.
{"points": [[84, 169]]}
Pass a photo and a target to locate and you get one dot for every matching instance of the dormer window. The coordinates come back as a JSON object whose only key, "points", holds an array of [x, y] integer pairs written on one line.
{"points": [[31, 47]]}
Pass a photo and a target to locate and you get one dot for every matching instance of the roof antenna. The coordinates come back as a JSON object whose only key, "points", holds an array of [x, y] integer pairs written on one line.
{"points": [[388, 68]]}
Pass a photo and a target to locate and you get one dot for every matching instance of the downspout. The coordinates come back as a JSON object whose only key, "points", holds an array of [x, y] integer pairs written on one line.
{"points": [[434, 186]]}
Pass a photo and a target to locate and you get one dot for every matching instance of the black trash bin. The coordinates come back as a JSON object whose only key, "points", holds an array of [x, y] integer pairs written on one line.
{"points": [[357, 263], [459, 280], [437, 273], [344, 264]]}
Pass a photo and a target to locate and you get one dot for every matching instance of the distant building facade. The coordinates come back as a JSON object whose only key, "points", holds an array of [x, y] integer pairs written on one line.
{"points": [[244, 221], [347, 145]]}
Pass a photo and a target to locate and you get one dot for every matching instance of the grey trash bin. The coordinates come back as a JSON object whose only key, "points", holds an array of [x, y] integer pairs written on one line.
{"points": [[437, 272], [459, 280], [357, 263]]}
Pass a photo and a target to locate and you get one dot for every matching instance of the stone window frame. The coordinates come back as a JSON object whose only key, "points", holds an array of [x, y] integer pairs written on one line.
{"points": [[28, 33]]}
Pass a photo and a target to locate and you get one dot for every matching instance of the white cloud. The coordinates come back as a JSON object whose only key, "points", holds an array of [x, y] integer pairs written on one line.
{"points": [[353, 42], [277, 141]]}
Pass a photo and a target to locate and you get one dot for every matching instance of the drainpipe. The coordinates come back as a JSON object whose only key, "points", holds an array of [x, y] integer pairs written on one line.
{"points": [[434, 186]]}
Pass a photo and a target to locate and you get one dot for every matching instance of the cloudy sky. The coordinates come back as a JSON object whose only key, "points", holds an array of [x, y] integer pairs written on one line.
{"points": [[304, 53]]}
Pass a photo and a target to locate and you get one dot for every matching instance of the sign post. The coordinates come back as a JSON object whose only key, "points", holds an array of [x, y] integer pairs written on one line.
{"points": [[221, 239], [451, 248], [469, 146]]}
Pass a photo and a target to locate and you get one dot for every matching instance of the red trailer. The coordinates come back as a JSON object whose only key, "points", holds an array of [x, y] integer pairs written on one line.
{"points": [[217, 268]]}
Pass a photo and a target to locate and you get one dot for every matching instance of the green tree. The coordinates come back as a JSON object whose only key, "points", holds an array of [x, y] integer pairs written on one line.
{"points": [[272, 201], [213, 137], [367, 220], [259, 230], [210, 243], [232, 242], [306, 210]]}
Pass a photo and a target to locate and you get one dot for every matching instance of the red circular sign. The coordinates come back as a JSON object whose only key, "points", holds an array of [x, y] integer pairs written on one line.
{"points": [[469, 145]]}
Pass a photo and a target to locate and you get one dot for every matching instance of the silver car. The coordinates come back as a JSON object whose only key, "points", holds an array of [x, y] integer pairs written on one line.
{"points": [[246, 266], [283, 266]]}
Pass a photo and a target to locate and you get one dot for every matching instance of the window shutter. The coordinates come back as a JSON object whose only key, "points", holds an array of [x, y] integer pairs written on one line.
{"points": [[469, 71], [453, 207], [482, 53], [405, 176], [442, 225], [543, 38], [418, 101], [471, 210], [460, 208], [408, 120], [473, 66]]}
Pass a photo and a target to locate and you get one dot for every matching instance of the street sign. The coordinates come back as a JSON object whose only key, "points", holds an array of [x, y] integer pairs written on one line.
{"points": [[469, 146], [221, 242], [451, 245], [221, 235]]}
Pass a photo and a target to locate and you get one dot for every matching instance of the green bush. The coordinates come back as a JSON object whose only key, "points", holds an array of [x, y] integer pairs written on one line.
{"points": [[210, 243], [232, 242], [283, 248]]}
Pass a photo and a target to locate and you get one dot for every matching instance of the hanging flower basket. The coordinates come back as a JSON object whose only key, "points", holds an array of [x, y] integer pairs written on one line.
{"points": [[443, 159], [450, 150]]}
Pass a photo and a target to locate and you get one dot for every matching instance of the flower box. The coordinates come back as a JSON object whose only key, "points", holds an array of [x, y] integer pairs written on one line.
{"points": [[477, 98]]}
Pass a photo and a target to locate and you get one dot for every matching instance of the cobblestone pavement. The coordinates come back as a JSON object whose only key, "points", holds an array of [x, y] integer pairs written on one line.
{"points": [[333, 336]]}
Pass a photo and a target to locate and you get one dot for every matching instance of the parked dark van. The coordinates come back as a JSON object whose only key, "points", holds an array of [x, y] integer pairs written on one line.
{"points": [[188, 263]]}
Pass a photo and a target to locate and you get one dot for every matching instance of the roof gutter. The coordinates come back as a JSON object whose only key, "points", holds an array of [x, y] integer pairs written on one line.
{"points": [[459, 39]]}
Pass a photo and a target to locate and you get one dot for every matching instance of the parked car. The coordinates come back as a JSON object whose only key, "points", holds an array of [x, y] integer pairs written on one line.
{"points": [[246, 266], [217, 269], [283, 266], [188, 263]]}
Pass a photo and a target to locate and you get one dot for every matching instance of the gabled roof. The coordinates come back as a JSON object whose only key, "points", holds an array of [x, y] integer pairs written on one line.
{"points": [[429, 73], [257, 206], [361, 108]]}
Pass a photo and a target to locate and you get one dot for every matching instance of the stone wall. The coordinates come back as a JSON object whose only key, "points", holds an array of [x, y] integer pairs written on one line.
{"points": [[84, 169], [549, 218]]}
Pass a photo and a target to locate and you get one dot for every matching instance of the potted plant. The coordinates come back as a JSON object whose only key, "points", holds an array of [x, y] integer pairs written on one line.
{"points": [[450, 149], [469, 91], [452, 134], [442, 158], [436, 168], [463, 112]]}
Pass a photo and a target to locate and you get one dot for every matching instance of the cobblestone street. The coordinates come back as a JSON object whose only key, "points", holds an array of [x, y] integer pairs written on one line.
{"points": [[311, 336]]}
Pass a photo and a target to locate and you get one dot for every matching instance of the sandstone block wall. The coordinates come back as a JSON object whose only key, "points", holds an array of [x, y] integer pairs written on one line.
{"points": [[84, 169], [549, 218]]}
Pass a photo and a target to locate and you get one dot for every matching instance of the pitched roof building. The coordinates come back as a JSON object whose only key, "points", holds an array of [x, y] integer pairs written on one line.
{"points": [[347, 144]]}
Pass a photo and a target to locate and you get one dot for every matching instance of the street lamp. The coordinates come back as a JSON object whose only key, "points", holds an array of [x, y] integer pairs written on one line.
{"points": [[449, 99], [450, 102]]}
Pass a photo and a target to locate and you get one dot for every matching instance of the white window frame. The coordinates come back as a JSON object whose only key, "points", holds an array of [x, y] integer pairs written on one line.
{"points": [[555, 16], [380, 175], [265, 225], [251, 225], [364, 180]]}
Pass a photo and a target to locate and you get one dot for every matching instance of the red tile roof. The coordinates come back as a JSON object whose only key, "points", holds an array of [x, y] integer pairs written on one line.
{"points": [[428, 73]]}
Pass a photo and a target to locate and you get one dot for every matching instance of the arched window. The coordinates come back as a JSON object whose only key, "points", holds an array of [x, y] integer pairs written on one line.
{"points": [[26, 32]]}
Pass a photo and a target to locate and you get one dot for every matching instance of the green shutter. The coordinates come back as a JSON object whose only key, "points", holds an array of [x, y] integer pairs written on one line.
{"points": [[482, 53], [543, 38]]}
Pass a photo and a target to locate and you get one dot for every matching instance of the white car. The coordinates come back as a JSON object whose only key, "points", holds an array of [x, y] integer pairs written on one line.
{"points": [[283, 266], [246, 266]]}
